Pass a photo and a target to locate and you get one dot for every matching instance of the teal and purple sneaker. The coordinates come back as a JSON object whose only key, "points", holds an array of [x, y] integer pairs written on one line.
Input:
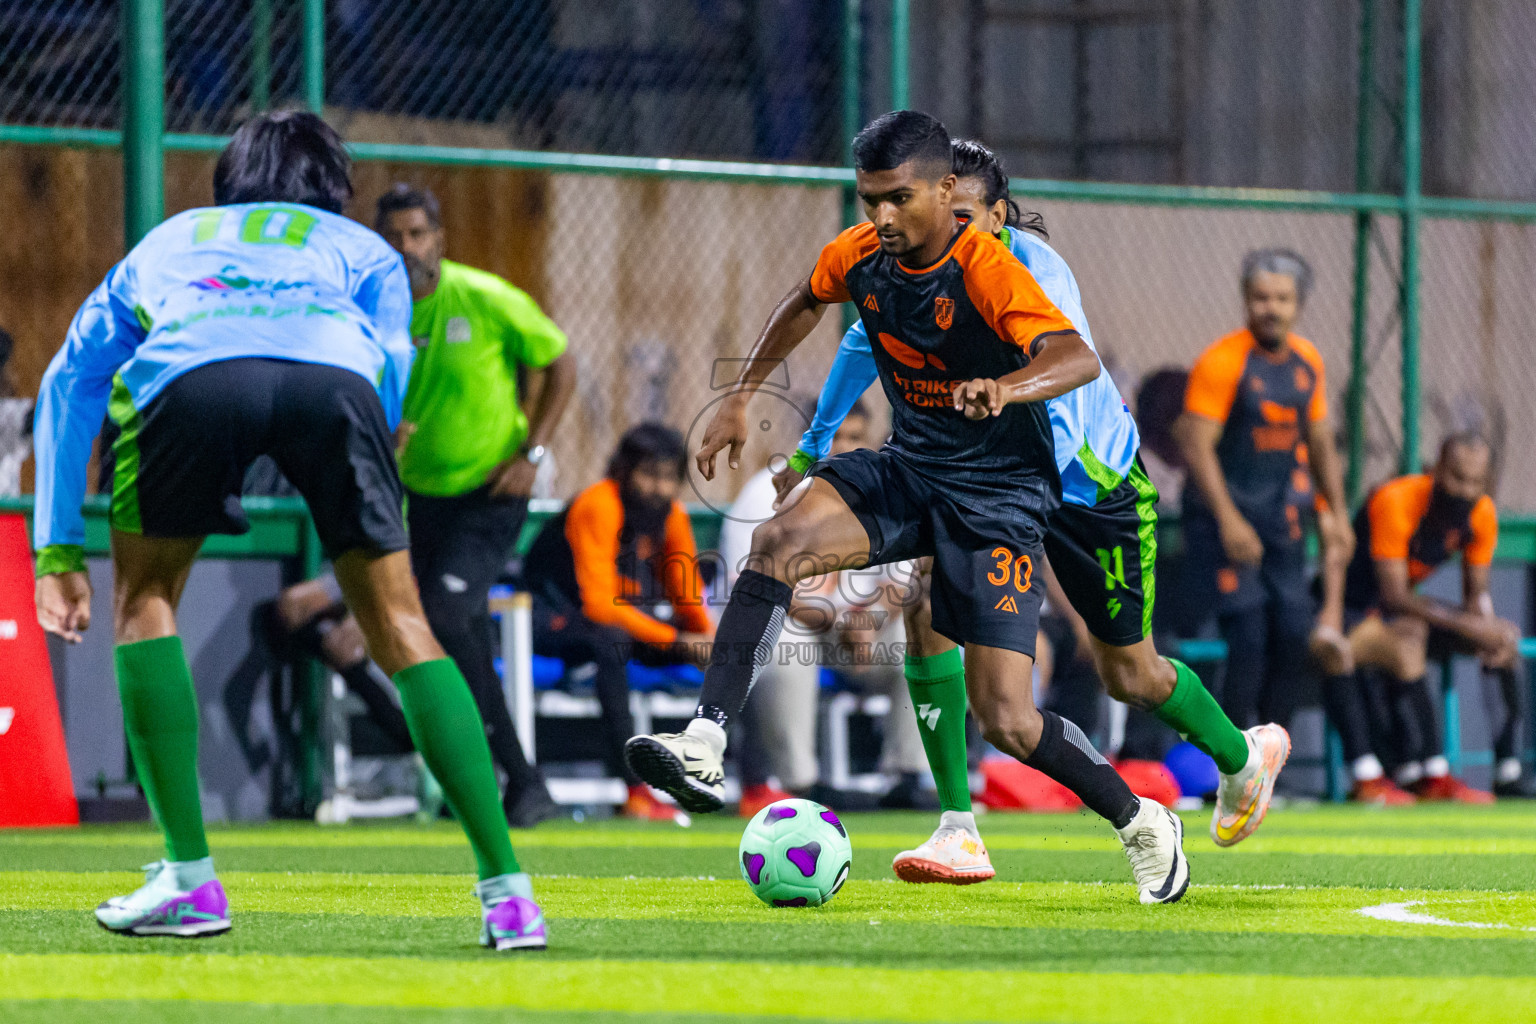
{"points": [[180, 898], [511, 919]]}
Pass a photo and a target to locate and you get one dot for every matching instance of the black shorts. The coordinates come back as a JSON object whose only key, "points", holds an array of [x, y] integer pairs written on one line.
{"points": [[178, 464], [1278, 582], [983, 586], [1105, 558]]}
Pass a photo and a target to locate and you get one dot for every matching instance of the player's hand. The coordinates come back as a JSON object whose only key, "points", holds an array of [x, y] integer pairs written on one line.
{"points": [[64, 604], [513, 478], [784, 481], [1241, 542], [727, 429], [1331, 649], [980, 398], [1498, 643]]}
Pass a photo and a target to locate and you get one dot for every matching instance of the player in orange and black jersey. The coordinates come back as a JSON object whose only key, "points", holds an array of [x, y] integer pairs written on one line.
{"points": [[1408, 528], [1256, 437], [968, 349]]}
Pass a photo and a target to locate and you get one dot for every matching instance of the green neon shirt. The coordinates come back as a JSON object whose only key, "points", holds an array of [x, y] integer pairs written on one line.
{"points": [[471, 334]]}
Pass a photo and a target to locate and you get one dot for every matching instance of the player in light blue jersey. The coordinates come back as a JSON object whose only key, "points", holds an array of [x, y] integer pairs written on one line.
{"points": [[1102, 546], [266, 325]]}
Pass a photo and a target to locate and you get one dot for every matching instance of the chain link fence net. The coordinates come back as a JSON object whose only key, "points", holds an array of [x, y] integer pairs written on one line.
{"points": [[656, 280]]}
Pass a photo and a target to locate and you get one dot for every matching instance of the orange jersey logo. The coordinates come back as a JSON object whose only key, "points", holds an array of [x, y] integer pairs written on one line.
{"points": [[943, 312], [870, 303], [1274, 412], [906, 355]]}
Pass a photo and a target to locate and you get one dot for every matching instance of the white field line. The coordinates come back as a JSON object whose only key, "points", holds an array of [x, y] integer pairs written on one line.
{"points": [[1401, 914]]}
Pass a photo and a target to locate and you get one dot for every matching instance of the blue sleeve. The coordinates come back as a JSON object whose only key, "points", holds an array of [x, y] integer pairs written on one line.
{"points": [[72, 403], [852, 372], [384, 295]]}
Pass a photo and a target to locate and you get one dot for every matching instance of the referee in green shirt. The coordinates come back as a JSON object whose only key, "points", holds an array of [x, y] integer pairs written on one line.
{"points": [[468, 453]]}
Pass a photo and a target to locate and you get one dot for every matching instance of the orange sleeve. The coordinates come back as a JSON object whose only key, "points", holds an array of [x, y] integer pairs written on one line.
{"points": [[829, 281], [680, 573], [592, 529], [1006, 294], [1214, 378], [1394, 512], [1485, 533], [1317, 409]]}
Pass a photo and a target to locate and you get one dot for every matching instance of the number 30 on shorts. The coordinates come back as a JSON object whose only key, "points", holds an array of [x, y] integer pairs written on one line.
{"points": [[1019, 567]]}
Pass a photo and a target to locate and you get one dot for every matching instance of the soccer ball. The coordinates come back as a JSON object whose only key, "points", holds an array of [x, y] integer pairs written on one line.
{"points": [[795, 853]]}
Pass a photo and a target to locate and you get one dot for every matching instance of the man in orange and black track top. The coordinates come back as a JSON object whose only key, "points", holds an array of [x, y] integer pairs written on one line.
{"points": [[1408, 528], [615, 578], [1256, 437]]}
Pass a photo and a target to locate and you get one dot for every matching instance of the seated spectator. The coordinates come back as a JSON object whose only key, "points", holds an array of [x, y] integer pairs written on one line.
{"points": [[615, 578], [1408, 528], [826, 615]]}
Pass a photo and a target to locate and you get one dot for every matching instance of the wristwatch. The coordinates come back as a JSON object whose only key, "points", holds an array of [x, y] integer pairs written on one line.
{"points": [[535, 455]]}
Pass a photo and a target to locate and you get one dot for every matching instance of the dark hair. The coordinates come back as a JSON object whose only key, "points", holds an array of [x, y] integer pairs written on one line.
{"points": [[1159, 401], [407, 197], [290, 156], [974, 160], [893, 139], [1279, 261], [648, 442]]}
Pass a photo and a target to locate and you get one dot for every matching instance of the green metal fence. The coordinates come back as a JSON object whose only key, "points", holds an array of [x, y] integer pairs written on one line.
{"points": [[1420, 310]]}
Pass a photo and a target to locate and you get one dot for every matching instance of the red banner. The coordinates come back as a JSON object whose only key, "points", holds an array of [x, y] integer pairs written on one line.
{"points": [[35, 787]]}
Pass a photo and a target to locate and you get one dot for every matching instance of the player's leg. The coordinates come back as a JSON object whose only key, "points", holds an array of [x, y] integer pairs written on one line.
{"points": [[329, 437], [814, 533], [181, 897], [1508, 773], [935, 672], [985, 597], [176, 466], [1105, 558], [1421, 700]]}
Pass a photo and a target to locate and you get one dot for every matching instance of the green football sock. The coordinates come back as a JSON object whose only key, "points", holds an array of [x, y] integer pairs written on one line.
{"points": [[937, 685], [1198, 718], [160, 716], [448, 731]]}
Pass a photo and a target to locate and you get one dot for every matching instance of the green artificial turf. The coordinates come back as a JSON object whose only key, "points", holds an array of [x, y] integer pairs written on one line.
{"points": [[376, 922]]}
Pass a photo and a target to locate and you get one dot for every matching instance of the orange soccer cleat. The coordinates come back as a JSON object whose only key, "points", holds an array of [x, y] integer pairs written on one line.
{"points": [[1448, 787], [1382, 792]]}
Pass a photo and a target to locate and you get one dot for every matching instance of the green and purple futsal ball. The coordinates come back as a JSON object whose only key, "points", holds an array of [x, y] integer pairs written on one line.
{"points": [[795, 853]]}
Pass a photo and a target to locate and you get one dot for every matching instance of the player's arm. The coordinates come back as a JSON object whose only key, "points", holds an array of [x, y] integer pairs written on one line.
{"points": [[71, 405], [1013, 304], [790, 323], [1338, 535], [1060, 362], [853, 371], [382, 291], [1399, 598], [1476, 564], [535, 342]]}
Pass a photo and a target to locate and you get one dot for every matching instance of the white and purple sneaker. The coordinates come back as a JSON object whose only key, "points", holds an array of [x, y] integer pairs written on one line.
{"points": [[512, 919], [180, 898]]}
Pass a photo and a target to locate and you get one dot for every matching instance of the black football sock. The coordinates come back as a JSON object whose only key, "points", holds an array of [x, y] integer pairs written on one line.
{"points": [[1512, 688], [745, 640], [1344, 702], [1065, 755]]}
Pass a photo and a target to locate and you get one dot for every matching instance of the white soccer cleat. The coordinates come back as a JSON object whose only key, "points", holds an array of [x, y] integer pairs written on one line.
{"points": [[1153, 842], [681, 765], [1242, 800], [953, 855]]}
